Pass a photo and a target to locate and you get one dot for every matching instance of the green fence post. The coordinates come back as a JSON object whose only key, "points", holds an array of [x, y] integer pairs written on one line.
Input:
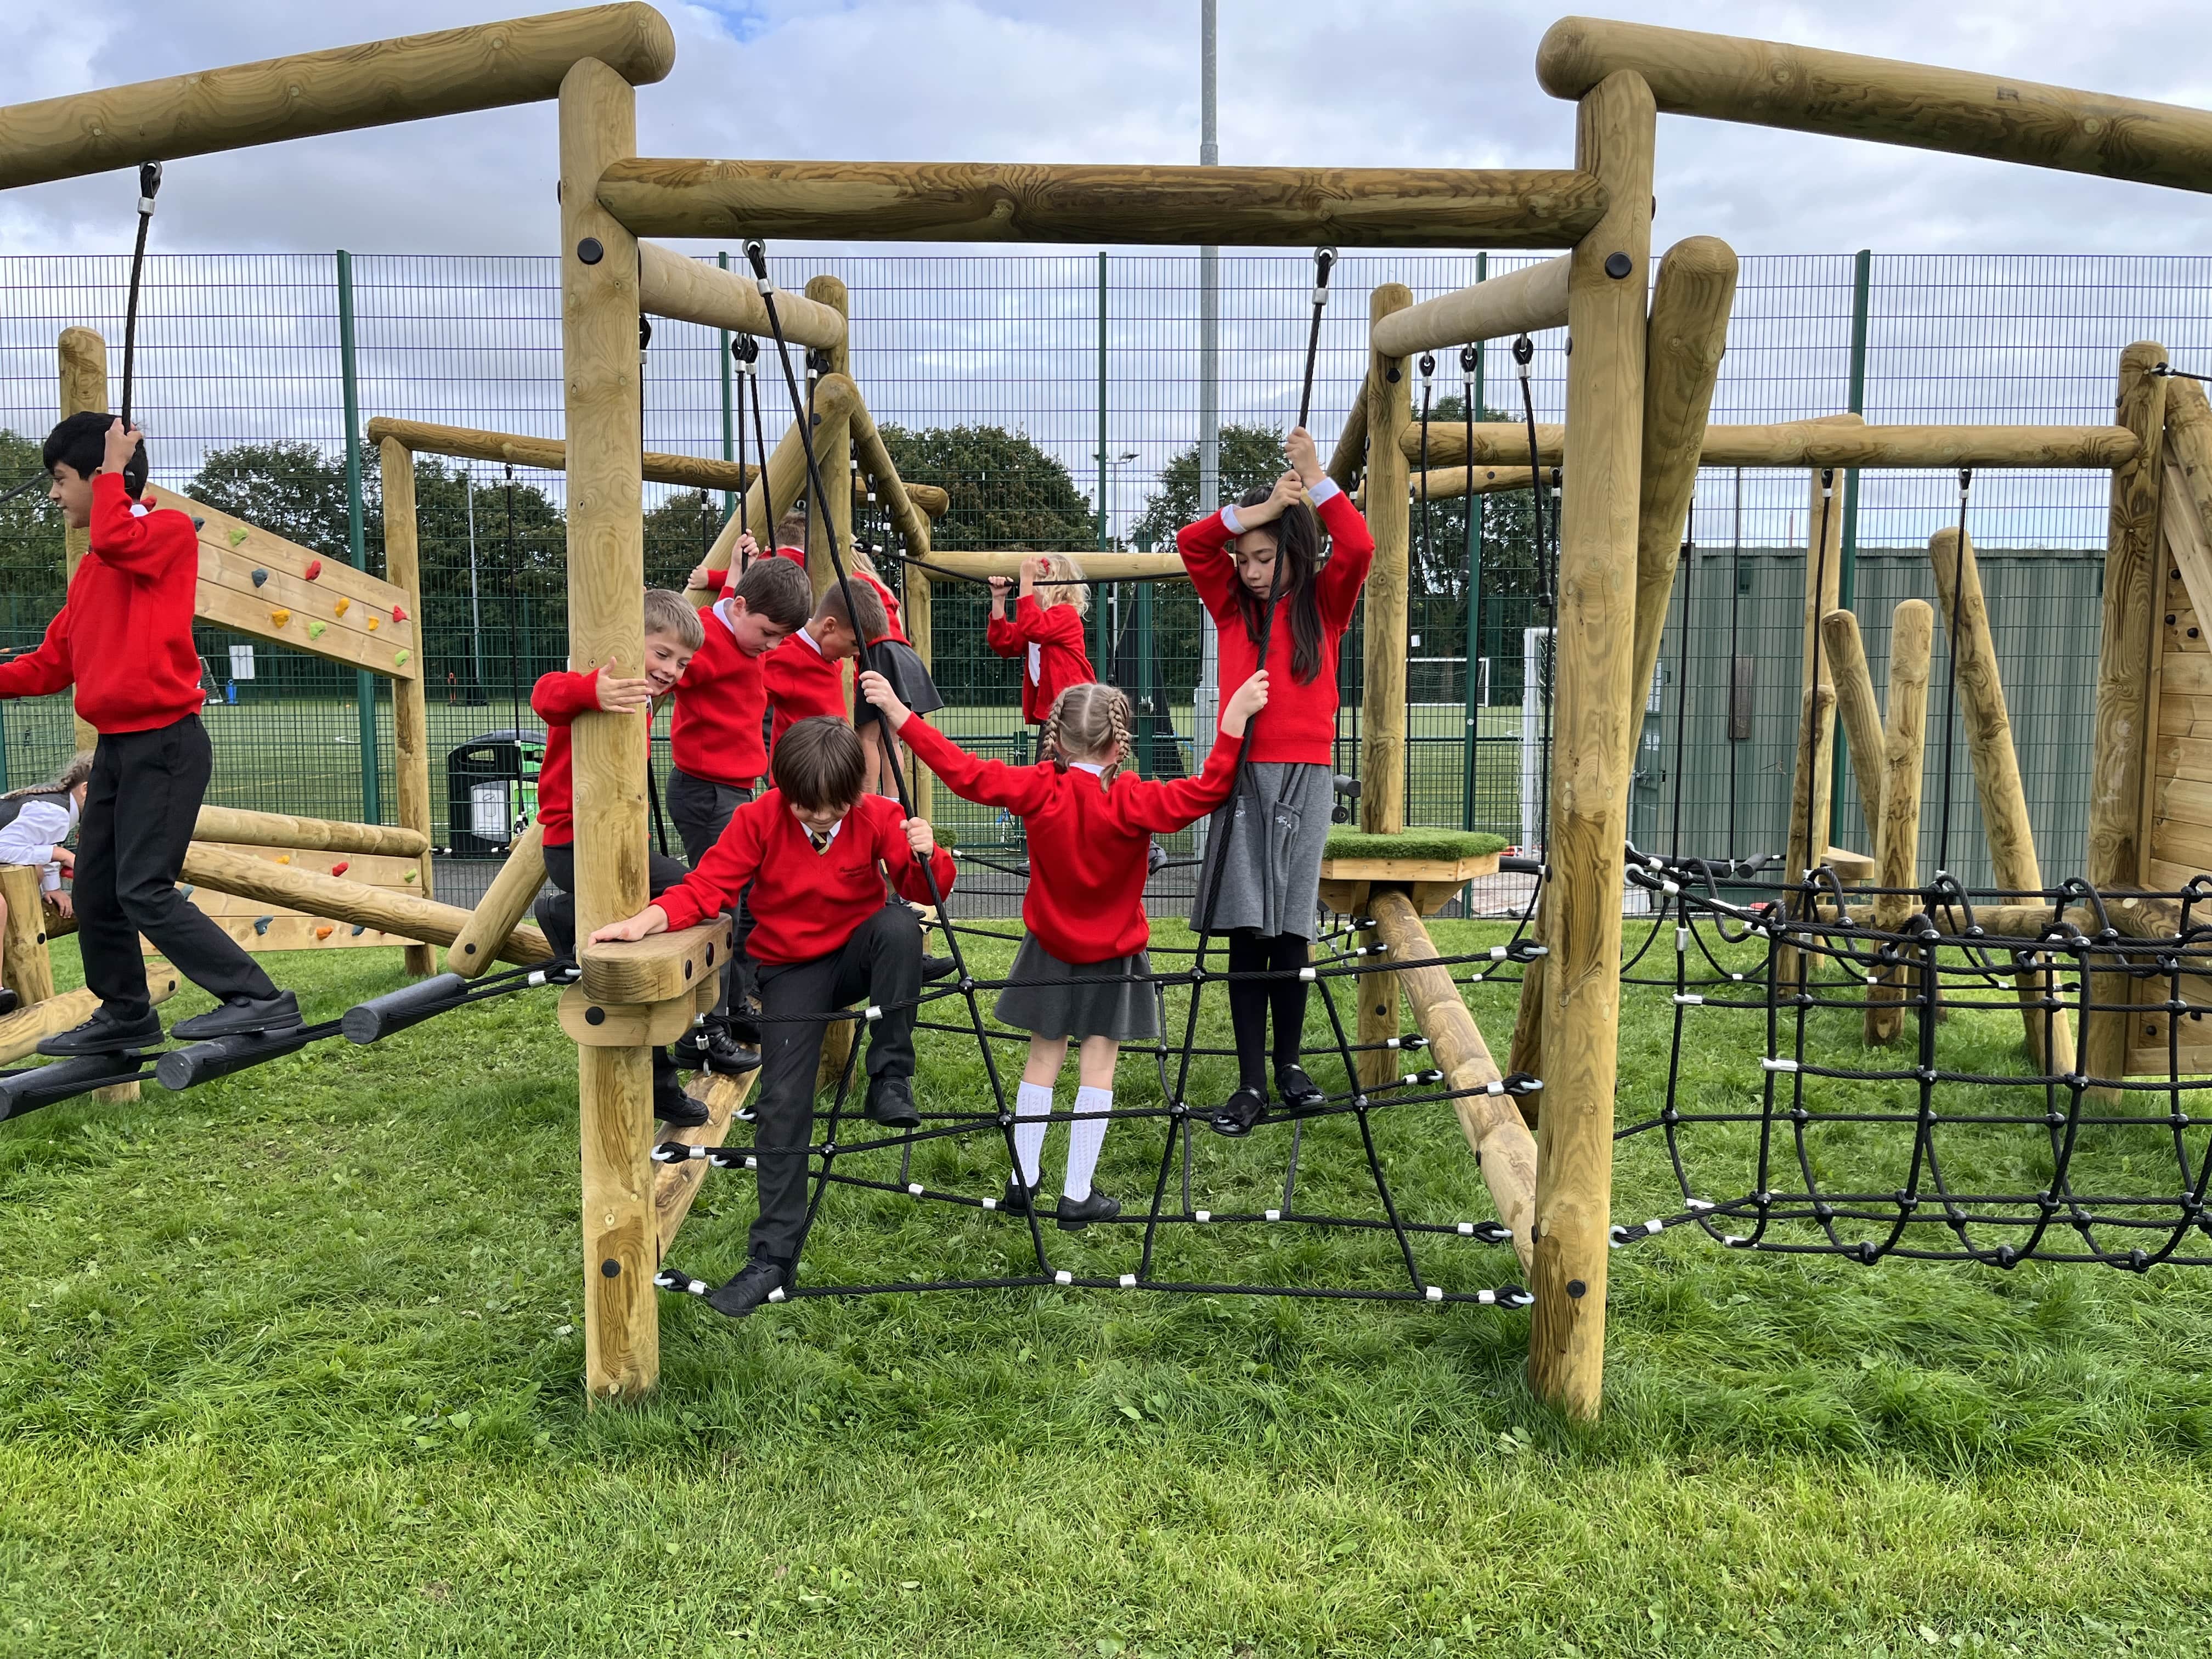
{"points": [[729, 445], [1847, 574], [1097, 598], [1470, 670], [371, 809]]}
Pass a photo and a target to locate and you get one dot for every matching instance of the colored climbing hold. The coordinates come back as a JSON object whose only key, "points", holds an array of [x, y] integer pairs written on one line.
{"points": [[409, 875], [278, 618], [314, 569], [399, 658], [284, 858], [399, 613], [358, 928], [339, 609], [373, 621], [237, 536], [259, 577], [261, 923], [341, 866], [315, 630], [325, 930]]}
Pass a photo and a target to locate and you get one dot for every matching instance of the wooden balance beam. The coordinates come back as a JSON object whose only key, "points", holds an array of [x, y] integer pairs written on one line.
{"points": [[1820, 443]]}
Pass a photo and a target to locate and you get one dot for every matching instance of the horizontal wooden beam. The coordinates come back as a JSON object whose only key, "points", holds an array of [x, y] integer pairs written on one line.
{"points": [[22, 1032], [670, 285], [1519, 302], [1844, 95], [1449, 483], [1099, 566], [409, 78], [551, 455], [987, 202], [657, 968], [243, 829], [1821, 443]]}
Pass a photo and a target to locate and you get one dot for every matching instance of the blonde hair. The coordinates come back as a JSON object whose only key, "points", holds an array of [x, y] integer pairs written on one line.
{"points": [[858, 559], [670, 613], [1062, 582], [1088, 721], [77, 771]]}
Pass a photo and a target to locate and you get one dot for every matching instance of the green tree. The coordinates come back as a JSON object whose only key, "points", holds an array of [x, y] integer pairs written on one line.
{"points": [[677, 534], [294, 490], [1005, 491], [30, 541], [1249, 455]]}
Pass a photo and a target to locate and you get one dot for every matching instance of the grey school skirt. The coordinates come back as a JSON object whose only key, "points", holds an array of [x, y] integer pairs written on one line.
{"points": [[902, 666], [1271, 880], [1056, 998]]}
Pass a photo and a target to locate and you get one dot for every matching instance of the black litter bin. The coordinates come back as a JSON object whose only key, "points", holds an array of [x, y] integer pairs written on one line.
{"points": [[491, 790]]}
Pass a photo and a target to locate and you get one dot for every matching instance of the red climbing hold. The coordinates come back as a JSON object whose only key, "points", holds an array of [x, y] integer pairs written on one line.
{"points": [[314, 569], [341, 866], [399, 613]]}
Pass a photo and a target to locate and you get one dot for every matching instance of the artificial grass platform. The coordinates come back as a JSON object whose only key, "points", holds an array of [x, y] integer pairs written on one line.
{"points": [[1430, 846], [291, 1364]]}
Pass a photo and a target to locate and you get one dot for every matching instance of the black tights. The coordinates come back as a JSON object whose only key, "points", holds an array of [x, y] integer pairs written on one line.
{"points": [[1249, 1000]]}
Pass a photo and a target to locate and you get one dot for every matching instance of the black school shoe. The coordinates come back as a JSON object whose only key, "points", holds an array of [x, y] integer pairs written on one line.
{"points": [[103, 1033], [712, 1048], [933, 967], [9, 1001], [675, 1107], [238, 1015], [1296, 1090], [1239, 1113], [752, 1285], [1017, 1200], [1077, 1213], [890, 1102]]}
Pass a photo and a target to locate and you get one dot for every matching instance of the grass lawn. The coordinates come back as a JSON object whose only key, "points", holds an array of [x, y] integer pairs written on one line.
{"points": [[290, 1365]]}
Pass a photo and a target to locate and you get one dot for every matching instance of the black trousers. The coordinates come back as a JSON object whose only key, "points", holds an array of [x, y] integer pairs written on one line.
{"points": [[556, 912], [139, 809], [703, 809], [881, 962]]}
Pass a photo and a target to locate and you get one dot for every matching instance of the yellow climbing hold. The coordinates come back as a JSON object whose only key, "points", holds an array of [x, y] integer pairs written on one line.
{"points": [[339, 610], [284, 858], [373, 622], [278, 618]]}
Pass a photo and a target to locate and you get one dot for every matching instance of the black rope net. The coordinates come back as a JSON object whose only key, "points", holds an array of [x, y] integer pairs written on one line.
{"points": [[1973, 1133]]}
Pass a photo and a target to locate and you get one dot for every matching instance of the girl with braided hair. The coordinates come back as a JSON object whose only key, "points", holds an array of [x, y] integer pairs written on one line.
{"points": [[1083, 973]]}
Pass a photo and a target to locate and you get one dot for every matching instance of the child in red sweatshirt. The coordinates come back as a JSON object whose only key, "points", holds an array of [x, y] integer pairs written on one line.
{"points": [[815, 848], [672, 635], [1046, 632], [1083, 971], [806, 675], [1261, 882], [716, 736], [124, 639]]}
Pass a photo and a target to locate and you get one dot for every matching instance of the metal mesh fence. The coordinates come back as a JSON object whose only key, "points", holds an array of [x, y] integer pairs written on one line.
{"points": [[1056, 397]]}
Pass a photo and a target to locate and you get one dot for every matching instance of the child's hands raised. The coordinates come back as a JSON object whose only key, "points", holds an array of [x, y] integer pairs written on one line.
{"points": [[1248, 699], [1288, 489], [919, 837], [877, 690], [647, 922], [620, 696], [999, 586], [121, 445], [745, 552], [702, 575], [1305, 459]]}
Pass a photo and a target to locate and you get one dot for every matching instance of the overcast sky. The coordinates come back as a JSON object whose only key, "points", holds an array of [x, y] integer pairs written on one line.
{"points": [[1416, 82]]}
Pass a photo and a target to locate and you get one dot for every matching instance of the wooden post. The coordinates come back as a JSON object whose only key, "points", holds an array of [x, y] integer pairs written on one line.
{"points": [[1996, 769], [2133, 563], [1596, 717], [1897, 836], [783, 481], [502, 908], [1688, 332], [410, 718], [1349, 455], [29, 970], [607, 625], [921, 633], [833, 454], [83, 387], [1815, 739], [1382, 757], [1855, 699], [1523, 301]]}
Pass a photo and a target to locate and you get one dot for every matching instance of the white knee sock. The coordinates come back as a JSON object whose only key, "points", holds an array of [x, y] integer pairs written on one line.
{"points": [[1084, 1137], [1032, 1101]]}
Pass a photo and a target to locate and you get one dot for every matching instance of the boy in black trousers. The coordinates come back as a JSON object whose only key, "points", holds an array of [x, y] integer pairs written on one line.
{"points": [[125, 640]]}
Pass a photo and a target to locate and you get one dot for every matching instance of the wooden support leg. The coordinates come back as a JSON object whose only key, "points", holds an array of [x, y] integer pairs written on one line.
{"points": [[410, 720], [1897, 838], [1854, 700], [1996, 773], [606, 585], [25, 967], [502, 908], [1595, 720]]}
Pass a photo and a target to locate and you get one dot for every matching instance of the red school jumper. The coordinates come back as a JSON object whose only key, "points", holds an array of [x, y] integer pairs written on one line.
{"points": [[1050, 638], [123, 636], [801, 683], [716, 733], [805, 904], [558, 699], [1088, 841], [1299, 722]]}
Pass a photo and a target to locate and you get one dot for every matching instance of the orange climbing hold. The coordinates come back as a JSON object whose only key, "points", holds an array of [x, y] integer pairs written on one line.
{"points": [[278, 618], [325, 930], [339, 609]]}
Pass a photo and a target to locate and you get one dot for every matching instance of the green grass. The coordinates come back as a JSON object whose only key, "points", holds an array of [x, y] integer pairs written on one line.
{"points": [[290, 1365], [1441, 846]]}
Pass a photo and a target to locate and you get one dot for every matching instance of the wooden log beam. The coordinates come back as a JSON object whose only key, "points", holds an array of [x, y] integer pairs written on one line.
{"points": [[1492, 1123], [656, 970], [1812, 791], [241, 827], [1346, 459], [411, 78], [1824, 442], [784, 481], [832, 526], [1102, 566], [1688, 331], [659, 467], [1523, 301], [1447, 484], [314, 894], [1174, 206], [1904, 762], [502, 908], [908, 503], [22, 1032], [24, 964], [1382, 753], [84, 375], [1596, 714], [603, 416], [1844, 95], [676, 1185], [2005, 823], [1856, 701], [2119, 833], [410, 718], [693, 291]]}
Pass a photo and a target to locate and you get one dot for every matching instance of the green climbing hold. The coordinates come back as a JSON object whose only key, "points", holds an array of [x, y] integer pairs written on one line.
{"points": [[409, 875], [236, 537], [315, 630], [399, 658]]}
